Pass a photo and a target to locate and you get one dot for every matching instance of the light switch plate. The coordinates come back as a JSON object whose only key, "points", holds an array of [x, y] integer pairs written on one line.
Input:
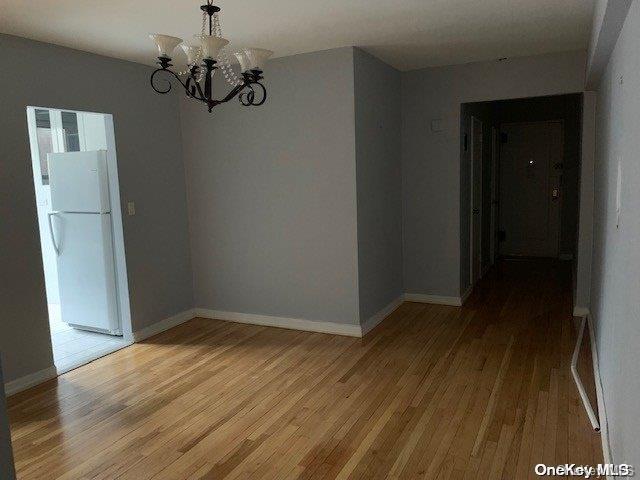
{"points": [[131, 208], [436, 125]]}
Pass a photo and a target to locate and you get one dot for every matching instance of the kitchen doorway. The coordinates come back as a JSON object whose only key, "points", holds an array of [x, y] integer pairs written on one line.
{"points": [[78, 203]]}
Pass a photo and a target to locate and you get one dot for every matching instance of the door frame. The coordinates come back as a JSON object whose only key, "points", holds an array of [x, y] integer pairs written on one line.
{"points": [[122, 282], [560, 183], [495, 186], [472, 277]]}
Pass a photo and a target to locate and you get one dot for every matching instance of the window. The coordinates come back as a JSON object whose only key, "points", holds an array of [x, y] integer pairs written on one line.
{"points": [[70, 132], [57, 132], [45, 141]]}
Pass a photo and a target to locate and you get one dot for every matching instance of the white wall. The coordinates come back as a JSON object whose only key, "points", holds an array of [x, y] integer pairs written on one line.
{"points": [[432, 211], [615, 286], [608, 17]]}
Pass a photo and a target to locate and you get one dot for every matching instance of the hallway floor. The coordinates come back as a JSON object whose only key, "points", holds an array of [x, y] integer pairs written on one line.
{"points": [[436, 392], [73, 347]]}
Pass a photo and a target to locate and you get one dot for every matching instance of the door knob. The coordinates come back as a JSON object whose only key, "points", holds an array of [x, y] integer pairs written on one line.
{"points": [[476, 210]]}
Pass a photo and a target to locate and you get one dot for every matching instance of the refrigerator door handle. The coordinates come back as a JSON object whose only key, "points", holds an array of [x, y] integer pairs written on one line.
{"points": [[53, 237]]}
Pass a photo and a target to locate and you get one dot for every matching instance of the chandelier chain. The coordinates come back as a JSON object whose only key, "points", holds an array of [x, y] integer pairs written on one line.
{"points": [[187, 71], [225, 63]]}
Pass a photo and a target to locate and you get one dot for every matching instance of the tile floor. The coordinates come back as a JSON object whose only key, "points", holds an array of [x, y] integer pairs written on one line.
{"points": [[73, 347]]}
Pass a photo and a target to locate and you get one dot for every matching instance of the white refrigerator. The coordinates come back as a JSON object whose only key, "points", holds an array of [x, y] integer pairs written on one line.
{"points": [[81, 233]]}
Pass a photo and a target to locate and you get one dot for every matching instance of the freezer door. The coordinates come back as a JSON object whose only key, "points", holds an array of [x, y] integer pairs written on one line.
{"points": [[86, 272], [79, 182]]}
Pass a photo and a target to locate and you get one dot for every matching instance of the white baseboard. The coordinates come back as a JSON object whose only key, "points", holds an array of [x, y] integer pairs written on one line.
{"points": [[31, 380], [163, 325], [435, 299], [580, 311], [372, 322], [602, 411], [282, 322]]}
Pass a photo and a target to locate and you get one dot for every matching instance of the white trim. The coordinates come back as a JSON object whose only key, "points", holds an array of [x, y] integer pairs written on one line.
{"points": [[576, 377], [493, 211], [120, 258], [434, 299], [64, 367], [466, 294], [349, 330], [163, 325], [602, 411], [580, 311], [372, 322], [120, 265], [31, 380], [472, 160]]}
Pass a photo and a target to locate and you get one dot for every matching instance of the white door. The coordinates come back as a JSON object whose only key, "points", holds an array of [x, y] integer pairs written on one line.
{"points": [[530, 176], [476, 199], [80, 231]]}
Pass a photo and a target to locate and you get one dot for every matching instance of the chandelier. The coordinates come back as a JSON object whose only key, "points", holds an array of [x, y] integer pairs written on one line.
{"points": [[203, 60]]}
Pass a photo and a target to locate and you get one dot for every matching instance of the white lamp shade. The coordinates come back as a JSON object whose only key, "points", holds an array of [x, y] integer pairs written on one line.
{"points": [[253, 58], [165, 43], [243, 60], [192, 53], [211, 45]]}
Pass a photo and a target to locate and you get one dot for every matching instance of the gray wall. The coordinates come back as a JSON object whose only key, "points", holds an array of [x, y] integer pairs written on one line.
{"points": [[433, 245], [272, 194], [379, 183], [7, 471], [615, 286], [147, 130]]}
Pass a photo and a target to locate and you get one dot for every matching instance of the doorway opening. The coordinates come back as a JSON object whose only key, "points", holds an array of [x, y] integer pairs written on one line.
{"points": [[77, 194], [520, 176]]}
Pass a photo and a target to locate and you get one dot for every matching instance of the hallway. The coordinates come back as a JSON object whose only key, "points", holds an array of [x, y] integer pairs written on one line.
{"points": [[483, 391]]}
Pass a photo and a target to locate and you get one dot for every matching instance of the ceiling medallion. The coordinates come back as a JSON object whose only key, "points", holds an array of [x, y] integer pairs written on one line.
{"points": [[211, 55]]}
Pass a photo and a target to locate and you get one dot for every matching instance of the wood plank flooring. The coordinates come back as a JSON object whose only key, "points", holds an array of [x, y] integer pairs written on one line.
{"points": [[478, 392]]}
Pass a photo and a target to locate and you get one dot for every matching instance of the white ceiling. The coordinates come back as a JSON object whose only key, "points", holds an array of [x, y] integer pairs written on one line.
{"points": [[407, 34]]}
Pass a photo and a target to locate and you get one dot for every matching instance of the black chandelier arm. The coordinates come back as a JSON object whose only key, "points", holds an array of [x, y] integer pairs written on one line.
{"points": [[169, 86], [196, 85], [250, 91], [248, 98], [234, 91], [193, 89]]}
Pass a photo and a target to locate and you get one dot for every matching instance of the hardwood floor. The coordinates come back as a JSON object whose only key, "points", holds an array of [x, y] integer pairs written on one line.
{"points": [[484, 391]]}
